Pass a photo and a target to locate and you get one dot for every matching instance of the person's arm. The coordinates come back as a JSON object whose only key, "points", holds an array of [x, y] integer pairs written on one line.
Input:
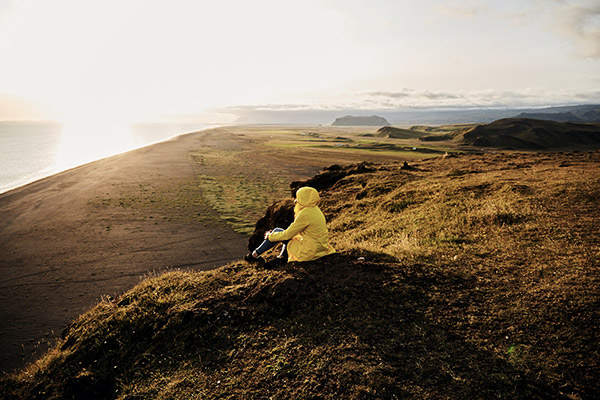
{"points": [[296, 227]]}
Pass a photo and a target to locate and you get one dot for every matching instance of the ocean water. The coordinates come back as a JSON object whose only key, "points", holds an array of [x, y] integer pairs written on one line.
{"points": [[33, 150]]}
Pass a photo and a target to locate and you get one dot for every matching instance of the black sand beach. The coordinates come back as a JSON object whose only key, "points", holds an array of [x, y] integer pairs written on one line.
{"points": [[69, 239], [98, 229]]}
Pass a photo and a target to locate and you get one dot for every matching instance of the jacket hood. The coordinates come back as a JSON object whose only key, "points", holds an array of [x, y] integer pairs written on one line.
{"points": [[307, 196]]}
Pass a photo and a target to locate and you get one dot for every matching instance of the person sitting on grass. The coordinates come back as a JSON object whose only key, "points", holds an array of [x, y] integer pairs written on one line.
{"points": [[306, 239]]}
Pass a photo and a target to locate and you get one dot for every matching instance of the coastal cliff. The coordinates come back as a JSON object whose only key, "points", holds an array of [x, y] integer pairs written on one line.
{"points": [[460, 277]]}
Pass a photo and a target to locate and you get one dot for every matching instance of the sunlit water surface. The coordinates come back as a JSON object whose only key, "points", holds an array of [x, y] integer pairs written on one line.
{"points": [[33, 150]]}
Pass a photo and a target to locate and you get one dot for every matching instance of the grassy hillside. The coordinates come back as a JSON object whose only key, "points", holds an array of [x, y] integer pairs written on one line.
{"points": [[532, 134], [460, 277], [398, 133]]}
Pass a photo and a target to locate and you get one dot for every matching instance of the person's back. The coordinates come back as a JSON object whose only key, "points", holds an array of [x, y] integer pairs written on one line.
{"points": [[307, 238], [313, 240]]}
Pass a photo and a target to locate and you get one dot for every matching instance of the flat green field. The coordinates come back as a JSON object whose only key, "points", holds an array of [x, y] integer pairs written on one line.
{"points": [[243, 175]]}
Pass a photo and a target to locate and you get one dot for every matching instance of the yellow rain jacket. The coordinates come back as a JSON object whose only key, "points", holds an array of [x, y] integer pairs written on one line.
{"points": [[308, 236]]}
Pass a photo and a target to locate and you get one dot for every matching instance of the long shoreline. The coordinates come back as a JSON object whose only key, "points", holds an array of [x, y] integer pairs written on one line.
{"points": [[97, 229], [53, 170], [69, 239]]}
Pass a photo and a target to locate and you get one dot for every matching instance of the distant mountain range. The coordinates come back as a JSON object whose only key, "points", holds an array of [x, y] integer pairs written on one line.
{"points": [[407, 117], [586, 113]]}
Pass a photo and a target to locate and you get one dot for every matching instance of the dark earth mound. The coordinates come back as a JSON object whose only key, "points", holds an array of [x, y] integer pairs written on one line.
{"points": [[438, 138]]}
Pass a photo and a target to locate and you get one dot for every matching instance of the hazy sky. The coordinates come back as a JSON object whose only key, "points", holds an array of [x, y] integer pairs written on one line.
{"points": [[131, 60]]}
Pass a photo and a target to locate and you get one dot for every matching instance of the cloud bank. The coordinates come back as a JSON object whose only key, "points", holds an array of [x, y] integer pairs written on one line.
{"points": [[409, 106], [407, 98], [580, 22]]}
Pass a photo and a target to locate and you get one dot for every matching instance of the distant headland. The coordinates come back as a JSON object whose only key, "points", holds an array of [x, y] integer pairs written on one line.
{"points": [[350, 120]]}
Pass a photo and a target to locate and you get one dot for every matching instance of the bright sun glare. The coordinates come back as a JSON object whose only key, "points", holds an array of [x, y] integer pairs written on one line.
{"points": [[85, 141]]}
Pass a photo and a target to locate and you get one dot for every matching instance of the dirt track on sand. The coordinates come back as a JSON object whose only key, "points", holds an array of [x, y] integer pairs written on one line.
{"points": [[96, 230]]}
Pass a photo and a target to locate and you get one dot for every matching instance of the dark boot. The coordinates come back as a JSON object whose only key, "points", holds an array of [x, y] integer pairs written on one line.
{"points": [[259, 261]]}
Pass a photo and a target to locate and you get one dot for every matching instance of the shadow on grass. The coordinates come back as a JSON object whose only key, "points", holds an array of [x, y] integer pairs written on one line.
{"points": [[351, 325], [376, 308]]}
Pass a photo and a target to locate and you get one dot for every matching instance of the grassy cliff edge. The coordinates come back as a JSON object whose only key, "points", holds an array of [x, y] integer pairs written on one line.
{"points": [[457, 277]]}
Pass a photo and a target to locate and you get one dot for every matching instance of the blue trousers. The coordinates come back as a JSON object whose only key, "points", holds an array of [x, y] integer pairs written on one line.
{"points": [[267, 244]]}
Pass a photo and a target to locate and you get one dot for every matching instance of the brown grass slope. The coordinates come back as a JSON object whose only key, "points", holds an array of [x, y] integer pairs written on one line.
{"points": [[532, 134], [398, 133], [462, 277]]}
